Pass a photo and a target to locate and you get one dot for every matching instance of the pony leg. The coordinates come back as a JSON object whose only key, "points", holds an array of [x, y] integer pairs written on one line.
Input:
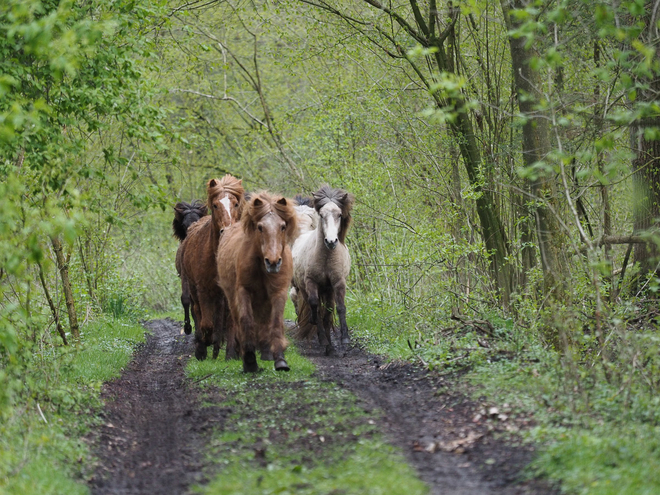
{"points": [[340, 295], [276, 336], [232, 351], [313, 300], [328, 313], [219, 326], [247, 335], [185, 302], [204, 337]]}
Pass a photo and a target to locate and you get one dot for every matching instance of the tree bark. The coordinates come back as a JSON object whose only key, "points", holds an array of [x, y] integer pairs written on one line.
{"points": [[536, 146], [53, 309], [63, 267], [646, 164]]}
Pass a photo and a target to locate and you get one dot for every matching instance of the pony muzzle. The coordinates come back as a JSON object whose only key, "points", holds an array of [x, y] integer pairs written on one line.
{"points": [[273, 267], [331, 244]]}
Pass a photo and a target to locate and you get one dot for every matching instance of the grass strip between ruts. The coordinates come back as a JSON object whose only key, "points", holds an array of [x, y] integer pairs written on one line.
{"points": [[292, 433]]}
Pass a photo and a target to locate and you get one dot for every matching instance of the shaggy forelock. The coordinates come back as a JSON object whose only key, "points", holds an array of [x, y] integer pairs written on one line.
{"points": [[228, 184], [268, 204], [339, 197]]}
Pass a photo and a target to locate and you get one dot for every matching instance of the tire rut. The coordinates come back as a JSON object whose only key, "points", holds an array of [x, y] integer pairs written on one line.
{"points": [[151, 440], [416, 418]]}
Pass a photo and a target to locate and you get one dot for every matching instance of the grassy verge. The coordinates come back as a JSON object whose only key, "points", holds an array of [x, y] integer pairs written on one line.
{"points": [[597, 418], [41, 438], [290, 433]]}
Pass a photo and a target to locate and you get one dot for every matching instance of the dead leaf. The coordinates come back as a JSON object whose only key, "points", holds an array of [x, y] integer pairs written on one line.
{"points": [[459, 445]]}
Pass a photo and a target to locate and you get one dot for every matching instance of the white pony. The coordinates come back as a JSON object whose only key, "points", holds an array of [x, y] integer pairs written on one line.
{"points": [[321, 264]]}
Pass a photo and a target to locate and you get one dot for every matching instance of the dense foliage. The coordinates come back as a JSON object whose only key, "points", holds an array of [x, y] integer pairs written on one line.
{"points": [[504, 158]]}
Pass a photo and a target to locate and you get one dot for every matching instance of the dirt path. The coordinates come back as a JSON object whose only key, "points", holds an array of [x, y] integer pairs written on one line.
{"points": [[434, 427], [152, 440]]}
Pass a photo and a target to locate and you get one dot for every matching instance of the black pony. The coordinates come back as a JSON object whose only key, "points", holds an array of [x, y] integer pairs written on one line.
{"points": [[185, 214]]}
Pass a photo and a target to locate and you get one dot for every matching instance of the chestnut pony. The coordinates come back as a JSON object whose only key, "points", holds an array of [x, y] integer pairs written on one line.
{"points": [[185, 215], [198, 262], [321, 264], [254, 271]]}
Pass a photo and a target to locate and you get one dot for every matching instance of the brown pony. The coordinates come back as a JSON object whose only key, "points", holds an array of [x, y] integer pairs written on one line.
{"points": [[185, 215], [254, 271], [198, 261]]}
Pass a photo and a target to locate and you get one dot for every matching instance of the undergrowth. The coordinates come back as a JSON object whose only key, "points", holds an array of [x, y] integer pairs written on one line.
{"points": [[595, 407], [290, 433], [41, 435]]}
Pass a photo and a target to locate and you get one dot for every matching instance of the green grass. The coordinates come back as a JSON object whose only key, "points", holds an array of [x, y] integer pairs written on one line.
{"points": [[290, 433], [64, 383], [594, 434], [603, 460]]}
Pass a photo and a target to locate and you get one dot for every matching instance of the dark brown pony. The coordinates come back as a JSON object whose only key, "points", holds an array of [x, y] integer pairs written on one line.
{"points": [[210, 312], [254, 271], [321, 264], [185, 215]]}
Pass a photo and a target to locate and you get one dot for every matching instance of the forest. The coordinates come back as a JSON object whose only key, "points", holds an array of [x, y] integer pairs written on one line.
{"points": [[504, 158]]}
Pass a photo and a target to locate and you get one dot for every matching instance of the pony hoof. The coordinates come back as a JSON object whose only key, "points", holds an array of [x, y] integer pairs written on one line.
{"points": [[187, 328], [250, 363], [266, 355], [281, 365], [200, 352]]}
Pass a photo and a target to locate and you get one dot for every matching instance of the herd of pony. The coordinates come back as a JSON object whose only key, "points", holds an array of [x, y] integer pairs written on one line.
{"points": [[239, 264]]}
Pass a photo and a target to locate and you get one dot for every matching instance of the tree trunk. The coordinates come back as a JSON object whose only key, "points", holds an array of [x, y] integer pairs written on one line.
{"points": [[646, 184], [53, 309], [646, 165], [536, 146], [63, 267]]}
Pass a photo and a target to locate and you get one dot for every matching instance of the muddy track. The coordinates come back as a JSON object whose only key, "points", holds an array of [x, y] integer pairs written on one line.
{"points": [[434, 426], [152, 441], [153, 436]]}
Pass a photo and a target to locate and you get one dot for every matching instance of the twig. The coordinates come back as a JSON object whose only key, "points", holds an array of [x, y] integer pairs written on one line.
{"points": [[41, 413]]}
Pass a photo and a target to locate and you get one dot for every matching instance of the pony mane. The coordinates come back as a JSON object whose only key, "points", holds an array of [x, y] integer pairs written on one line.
{"points": [[261, 204], [342, 199], [304, 200], [229, 184], [186, 211]]}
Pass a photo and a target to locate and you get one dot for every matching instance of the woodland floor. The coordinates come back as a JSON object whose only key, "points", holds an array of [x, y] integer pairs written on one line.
{"points": [[154, 426]]}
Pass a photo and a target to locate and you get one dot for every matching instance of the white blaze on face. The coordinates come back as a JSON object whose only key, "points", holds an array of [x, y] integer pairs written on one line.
{"points": [[227, 204], [331, 221]]}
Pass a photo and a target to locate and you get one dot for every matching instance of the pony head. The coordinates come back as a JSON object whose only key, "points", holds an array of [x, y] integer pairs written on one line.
{"points": [[334, 208], [272, 220], [185, 214], [225, 200]]}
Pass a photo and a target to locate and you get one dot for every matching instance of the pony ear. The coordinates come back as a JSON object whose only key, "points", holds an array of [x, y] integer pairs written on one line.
{"points": [[282, 202]]}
